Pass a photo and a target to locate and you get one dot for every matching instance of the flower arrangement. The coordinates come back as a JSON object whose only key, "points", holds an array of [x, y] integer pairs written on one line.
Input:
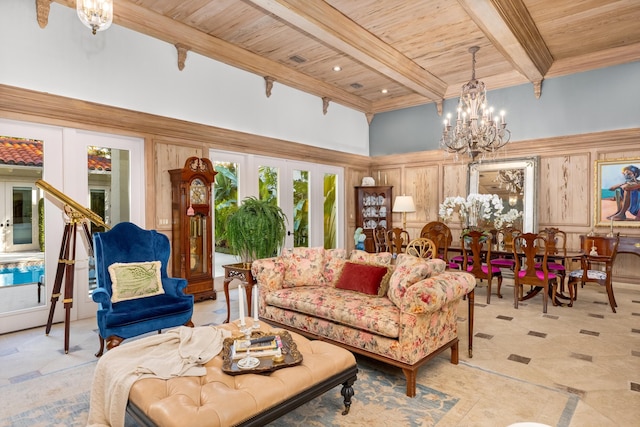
{"points": [[478, 208]]}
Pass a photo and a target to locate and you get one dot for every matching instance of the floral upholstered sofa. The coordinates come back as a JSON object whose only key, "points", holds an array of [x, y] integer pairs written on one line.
{"points": [[402, 314]]}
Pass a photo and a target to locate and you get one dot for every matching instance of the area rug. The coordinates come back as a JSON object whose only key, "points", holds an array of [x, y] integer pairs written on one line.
{"points": [[61, 398]]}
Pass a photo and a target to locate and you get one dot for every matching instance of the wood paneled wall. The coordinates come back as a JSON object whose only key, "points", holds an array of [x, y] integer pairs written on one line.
{"points": [[565, 188]]}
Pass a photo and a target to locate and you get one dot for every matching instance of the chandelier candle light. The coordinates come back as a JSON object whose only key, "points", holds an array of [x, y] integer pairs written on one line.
{"points": [[475, 129]]}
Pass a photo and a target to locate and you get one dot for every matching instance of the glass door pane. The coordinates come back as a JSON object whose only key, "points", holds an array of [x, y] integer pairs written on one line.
{"points": [[300, 183], [22, 275], [225, 192], [108, 183], [268, 177], [330, 217]]}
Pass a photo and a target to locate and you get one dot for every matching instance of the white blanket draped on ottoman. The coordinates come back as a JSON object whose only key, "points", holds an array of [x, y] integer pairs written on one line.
{"points": [[178, 352]]}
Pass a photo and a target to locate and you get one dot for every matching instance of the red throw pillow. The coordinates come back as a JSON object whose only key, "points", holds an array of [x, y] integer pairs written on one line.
{"points": [[362, 278]]}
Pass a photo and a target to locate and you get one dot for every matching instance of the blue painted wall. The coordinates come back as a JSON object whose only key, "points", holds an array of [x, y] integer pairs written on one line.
{"points": [[593, 101]]}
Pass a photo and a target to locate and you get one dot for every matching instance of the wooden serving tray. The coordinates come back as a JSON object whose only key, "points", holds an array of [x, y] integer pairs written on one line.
{"points": [[290, 352]]}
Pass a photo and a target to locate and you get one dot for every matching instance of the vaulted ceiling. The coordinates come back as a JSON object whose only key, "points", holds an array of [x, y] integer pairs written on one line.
{"points": [[392, 54]]}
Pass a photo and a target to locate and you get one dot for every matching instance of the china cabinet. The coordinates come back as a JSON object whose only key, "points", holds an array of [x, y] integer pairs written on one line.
{"points": [[373, 209], [192, 228]]}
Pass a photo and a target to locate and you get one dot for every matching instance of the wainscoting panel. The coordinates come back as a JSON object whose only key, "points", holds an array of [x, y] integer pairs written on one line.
{"points": [[424, 182], [565, 190]]}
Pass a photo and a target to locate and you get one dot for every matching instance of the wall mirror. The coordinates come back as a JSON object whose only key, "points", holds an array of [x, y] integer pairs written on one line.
{"points": [[514, 180]]}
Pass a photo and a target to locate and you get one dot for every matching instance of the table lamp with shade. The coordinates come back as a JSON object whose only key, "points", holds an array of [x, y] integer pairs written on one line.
{"points": [[404, 204]]}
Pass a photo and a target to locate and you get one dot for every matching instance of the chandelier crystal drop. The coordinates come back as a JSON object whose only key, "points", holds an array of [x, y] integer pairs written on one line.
{"points": [[476, 130], [95, 14]]}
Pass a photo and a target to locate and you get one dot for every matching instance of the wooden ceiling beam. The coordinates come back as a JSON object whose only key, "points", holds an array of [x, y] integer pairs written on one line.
{"points": [[331, 27], [508, 25], [136, 18]]}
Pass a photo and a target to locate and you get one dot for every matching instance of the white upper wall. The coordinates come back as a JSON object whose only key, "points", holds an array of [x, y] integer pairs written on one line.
{"points": [[122, 68]]}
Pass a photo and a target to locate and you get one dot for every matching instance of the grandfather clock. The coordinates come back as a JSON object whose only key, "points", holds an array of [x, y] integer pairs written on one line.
{"points": [[192, 230]]}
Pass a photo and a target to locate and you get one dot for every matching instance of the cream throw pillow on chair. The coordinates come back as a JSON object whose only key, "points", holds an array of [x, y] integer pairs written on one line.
{"points": [[133, 280]]}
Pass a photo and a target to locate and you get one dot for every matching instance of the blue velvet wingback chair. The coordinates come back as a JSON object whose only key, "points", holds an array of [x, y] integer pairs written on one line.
{"points": [[127, 243]]}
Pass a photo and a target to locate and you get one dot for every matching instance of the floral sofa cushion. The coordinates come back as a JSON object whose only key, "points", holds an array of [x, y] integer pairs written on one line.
{"points": [[303, 266], [333, 262], [408, 271], [382, 258], [364, 312]]}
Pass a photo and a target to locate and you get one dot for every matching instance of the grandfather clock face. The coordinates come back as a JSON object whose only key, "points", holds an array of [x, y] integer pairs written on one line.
{"points": [[198, 192]]}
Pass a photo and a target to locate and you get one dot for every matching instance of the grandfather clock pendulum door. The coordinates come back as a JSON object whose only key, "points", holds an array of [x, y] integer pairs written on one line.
{"points": [[192, 230]]}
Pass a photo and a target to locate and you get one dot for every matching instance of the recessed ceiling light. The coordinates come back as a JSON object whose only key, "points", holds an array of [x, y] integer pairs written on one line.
{"points": [[337, 68], [384, 91]]}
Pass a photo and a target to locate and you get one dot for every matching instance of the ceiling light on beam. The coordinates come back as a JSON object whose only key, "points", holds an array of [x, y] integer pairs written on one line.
{"points": [[95, 14]]}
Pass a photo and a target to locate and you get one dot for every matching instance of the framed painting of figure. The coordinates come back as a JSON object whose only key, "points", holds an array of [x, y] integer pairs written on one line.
{"points": [[617, 192]]}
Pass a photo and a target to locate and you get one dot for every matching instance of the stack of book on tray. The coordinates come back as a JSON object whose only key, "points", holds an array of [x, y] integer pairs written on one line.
{"points": [[258, 347]]}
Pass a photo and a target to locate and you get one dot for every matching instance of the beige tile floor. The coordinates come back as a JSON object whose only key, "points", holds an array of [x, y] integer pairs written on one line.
{"points": [[585, 353]]}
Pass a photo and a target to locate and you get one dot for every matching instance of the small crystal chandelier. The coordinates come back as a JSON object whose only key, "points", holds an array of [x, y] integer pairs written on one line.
{"points": [[95, 14], [475, 130]]}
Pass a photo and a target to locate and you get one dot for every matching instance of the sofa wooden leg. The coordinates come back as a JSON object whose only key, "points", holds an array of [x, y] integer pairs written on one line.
{"points": [[410, 375], [454, 353]]}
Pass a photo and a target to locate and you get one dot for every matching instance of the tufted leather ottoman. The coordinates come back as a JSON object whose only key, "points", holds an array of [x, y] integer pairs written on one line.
{"points": [[218, 399]]}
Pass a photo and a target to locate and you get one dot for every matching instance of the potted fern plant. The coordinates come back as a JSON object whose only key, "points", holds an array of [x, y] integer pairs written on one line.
{"points": [[256, 230]]}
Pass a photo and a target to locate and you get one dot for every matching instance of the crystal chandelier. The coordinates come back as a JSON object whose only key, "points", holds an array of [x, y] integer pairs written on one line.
{"points": [[95, 14], [475, 130]]}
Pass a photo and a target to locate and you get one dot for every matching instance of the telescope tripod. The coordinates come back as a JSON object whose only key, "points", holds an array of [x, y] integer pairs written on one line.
{"points": [[66, 269]]}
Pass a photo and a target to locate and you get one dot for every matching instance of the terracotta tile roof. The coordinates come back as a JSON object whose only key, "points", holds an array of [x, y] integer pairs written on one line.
{"points": [[20, 152], [28, 152], [99, 163]]}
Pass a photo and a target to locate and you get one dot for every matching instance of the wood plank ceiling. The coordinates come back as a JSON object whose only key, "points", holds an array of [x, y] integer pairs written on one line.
{"points": [[392, 53]]}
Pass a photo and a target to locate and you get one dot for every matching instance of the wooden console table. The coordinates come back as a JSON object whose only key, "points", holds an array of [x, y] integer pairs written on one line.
{"points": [[242, 272]]}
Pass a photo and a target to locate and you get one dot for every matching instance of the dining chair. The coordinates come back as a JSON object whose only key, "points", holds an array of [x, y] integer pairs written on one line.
{"points": [[556, 239], [398, 240], [476, 259], [422, 248], [440, 235], [503, 240], [596, 251], [527, 249], [381, 239]]}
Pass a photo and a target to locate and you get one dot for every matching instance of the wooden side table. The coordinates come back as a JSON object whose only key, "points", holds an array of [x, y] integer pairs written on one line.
{"points": [[242, 272]]}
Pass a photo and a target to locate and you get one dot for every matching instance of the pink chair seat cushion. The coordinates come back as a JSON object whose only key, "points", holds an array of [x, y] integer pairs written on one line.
{"points": [[485, 269], [539, 274]]}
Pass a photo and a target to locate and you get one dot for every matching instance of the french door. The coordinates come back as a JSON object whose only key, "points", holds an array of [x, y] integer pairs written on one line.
{"points": [[114, 190], [310, 194], [27, 305]]}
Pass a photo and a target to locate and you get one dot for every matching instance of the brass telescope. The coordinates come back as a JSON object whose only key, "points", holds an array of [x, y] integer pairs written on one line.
{"points": [[72, 204]]}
